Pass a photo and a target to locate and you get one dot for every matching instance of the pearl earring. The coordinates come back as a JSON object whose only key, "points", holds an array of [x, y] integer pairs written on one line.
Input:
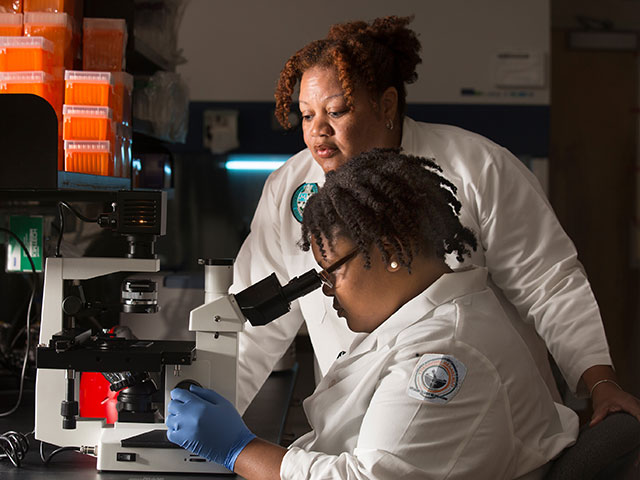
{"points": [[393, 265], [389, 124]]}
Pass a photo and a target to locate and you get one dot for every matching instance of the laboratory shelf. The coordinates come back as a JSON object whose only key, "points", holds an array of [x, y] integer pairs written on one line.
{"points": [[83, 181]]}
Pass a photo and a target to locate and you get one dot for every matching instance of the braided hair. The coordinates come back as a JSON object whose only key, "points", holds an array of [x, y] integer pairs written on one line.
{"points": [[376, 56], [399, 203]]}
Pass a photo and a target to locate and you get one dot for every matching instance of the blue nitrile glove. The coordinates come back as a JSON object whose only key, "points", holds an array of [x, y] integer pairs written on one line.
{"points": [[207, 424]]}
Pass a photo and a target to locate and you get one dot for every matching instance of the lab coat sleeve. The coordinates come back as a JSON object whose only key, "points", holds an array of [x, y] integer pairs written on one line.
{"points": [[402, 437], [261, 347], [535, 264]]}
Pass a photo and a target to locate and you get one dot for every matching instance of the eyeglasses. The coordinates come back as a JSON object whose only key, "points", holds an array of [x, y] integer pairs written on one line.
{"points": [[327, 276]]}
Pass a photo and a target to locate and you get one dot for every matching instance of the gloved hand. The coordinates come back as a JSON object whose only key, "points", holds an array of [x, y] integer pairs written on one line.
{"points": [[207, 424]]}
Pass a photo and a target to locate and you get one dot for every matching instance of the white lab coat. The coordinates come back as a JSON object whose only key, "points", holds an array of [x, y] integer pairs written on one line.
{"points": [[532, 263], [499, 422]]}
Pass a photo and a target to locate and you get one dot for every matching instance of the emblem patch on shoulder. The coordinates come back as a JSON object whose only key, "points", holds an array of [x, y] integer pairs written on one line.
{"points": [[300, 198], [436, 378]]}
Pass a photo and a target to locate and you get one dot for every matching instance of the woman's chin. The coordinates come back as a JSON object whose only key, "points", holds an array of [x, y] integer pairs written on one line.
{"points": [[330, 163]]}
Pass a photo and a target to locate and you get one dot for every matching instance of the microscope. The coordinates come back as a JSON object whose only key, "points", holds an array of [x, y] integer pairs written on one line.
{"points": [[137, 440]]}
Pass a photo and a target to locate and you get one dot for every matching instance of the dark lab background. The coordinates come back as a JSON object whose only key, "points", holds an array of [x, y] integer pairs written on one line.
{"points": [[211, 208]]}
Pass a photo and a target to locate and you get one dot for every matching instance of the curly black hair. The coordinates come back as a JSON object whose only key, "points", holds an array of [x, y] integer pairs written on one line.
{"points": [[386, 197], [377, 56]]}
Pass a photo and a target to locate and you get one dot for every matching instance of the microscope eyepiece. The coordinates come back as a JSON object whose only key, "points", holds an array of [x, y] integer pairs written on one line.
{"points": [[300, 286], [267, 300]]}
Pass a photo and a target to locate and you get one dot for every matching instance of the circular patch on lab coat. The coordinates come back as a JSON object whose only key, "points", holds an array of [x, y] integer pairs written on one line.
{"points": [[436, 378], [300, 198]]}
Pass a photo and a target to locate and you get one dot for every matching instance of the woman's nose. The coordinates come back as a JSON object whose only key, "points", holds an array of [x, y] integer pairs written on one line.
{"points": [[320, 126], [326, 290]]}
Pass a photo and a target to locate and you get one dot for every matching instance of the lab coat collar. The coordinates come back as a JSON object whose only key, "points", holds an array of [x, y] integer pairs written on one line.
{"points": [[413, 141], [316, 174], [447, 288]]}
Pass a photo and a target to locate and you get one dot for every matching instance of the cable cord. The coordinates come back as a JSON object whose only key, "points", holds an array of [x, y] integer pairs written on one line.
{"points": [[46, 459], [28, 331], [14, 446], [78, 214], [61, 220]]}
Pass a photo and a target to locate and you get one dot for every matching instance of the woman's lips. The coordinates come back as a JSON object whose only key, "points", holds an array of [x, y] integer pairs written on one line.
{"points": [[325, 151]]}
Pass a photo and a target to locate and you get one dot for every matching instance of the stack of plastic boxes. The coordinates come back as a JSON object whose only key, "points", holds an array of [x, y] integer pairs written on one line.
{"points": [[40, 39], [39, 49], [97, 110]]}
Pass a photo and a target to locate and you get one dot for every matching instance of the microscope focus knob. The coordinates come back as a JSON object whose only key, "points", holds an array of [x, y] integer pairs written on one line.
{"points": [[69, 412], [72, 305], [185, 384]]}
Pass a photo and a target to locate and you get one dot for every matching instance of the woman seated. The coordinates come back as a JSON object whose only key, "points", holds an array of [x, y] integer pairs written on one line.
{"points": [[437, 385]]}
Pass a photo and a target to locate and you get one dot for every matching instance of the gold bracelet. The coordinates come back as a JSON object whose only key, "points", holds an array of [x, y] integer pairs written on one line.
{"points": [[604, 380]]}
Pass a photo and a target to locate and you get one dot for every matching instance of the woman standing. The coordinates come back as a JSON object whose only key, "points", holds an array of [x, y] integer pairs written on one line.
{"points": [[352, 99]]}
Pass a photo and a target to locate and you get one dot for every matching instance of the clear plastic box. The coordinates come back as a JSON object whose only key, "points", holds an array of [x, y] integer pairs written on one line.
{"points": [[122, 97], [122, 151], [56, 27], [104, 42], [93, 157], [11, 24], [20, 54], [89, 88], [87, 123]]}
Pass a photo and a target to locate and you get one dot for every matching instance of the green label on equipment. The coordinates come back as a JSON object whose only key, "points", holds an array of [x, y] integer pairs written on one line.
{"points": [[29, 230]]}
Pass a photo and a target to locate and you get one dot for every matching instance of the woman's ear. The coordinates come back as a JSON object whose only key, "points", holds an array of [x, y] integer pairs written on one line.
{"points": [[393, 265], [389, 103]]}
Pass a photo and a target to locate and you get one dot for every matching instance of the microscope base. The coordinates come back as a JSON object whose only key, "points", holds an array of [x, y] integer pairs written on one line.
{"points": [[136, 447]]}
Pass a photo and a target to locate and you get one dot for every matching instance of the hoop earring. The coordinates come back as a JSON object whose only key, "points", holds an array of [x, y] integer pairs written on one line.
{"points": [[389, 124]]}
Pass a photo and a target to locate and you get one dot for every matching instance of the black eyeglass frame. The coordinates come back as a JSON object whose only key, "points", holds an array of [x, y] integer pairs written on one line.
{"points": [[325, 273]]}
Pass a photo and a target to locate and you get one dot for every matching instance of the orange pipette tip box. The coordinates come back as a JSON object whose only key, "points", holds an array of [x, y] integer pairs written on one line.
{"points": [[104, 42], [37, 83], [58, 28], [20, 54], [88, 88], [93, 157], [86, 122], [11, 24]]}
